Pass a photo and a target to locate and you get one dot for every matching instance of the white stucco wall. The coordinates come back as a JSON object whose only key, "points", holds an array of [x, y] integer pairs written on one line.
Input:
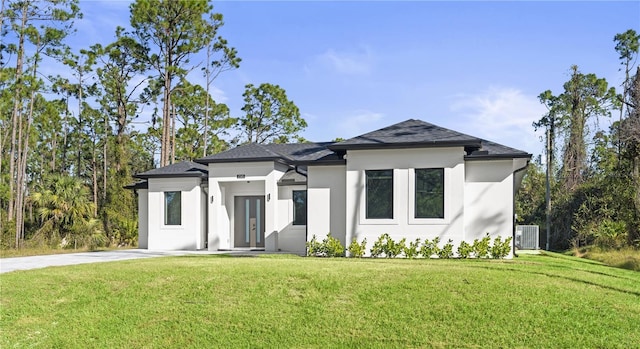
{"points": [[258, 178], [188, 235], [403, 225], [291, 238], [326, 198], [488, 200], [143, 218]]}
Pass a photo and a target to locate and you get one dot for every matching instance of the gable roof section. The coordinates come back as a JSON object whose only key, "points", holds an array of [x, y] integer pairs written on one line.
{"points": [[293, 177], [491, 150], [408, 134], [244, 153], [180, 169], [294, 154]]}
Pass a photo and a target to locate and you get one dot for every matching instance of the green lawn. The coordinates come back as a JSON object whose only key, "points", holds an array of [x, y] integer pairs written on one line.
{"points": [[282, 301]]}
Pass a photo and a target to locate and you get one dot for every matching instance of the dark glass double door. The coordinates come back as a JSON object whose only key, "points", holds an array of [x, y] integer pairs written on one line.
{"points": [[249, 222]]}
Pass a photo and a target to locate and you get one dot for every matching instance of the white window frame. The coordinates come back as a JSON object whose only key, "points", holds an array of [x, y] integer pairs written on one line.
{"points": [[412, 199], [293, 208], [363, 197], [164, 210]]}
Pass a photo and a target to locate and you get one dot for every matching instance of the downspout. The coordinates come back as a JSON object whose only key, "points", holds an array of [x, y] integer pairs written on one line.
{"points": [[513, 207], [306, 226], [205, 221]]}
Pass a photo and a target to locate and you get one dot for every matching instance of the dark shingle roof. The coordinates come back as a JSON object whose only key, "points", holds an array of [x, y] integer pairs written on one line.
{"points": [[492, 150], [410, 133], [244, 153], [297, 153], [293, 177], [407, 134], [180, 169], [137, 185]]}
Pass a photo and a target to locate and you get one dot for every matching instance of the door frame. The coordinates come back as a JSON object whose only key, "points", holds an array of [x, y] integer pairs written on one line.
{"points": [[255, 217]]}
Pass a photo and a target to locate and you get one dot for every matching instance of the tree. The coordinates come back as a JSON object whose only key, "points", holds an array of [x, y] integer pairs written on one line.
{"points": [[81, 66], [584, 97], [26, 18], [65, 213], [270, 117], [213, 68], [201, 120], [530, 197], [630, 137], [627, 45], [177, 29]]}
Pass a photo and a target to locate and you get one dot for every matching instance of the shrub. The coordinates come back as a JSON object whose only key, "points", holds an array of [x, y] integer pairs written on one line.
{"points": [[394, 249], [500, 249], [481, 247], [379, 246], [464, 250], [333, 247], [429, 248], [411, 251], [356, 249], [446, 251], [315, 248], [610, 234], [329, 247]]}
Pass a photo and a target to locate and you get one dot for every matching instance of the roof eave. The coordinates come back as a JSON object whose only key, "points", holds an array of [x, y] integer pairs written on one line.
{"points": [[497, 157], [321, 162], [435, 144], [172, 175], [226, 161]]}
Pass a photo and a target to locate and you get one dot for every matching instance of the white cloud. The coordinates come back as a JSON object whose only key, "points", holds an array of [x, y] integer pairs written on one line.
{"points": [[218, 95], [359, 122], [356, 62], [503, 115]]}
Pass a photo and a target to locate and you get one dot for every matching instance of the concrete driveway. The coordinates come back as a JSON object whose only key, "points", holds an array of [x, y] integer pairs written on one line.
{"points": [[36, 262]]}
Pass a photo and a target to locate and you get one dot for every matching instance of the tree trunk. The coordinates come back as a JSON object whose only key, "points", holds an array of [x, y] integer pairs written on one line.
{"points": [[207, 75], [21, 184], [65, 132], [94, 177], [79, 152], [173, 134], [166, 118], [104, 158], [15, 116], [54, 144]]}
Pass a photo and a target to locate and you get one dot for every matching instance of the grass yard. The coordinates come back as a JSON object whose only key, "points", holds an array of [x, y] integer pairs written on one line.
{"points": [[285, 301], [45, 250], [627, 258]]}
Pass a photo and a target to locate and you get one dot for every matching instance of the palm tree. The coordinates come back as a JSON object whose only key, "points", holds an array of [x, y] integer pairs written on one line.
{"points": [[66, 213]]}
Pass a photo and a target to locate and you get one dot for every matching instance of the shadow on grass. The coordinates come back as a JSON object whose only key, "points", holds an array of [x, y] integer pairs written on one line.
{"points": [[579, 260], [574, 279]]}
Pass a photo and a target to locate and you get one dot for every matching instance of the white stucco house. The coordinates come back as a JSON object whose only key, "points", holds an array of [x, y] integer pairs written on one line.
{"points": [[412, 179]]}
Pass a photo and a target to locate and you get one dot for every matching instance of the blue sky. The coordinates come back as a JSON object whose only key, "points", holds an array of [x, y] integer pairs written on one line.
{"points": [[353, 67]]}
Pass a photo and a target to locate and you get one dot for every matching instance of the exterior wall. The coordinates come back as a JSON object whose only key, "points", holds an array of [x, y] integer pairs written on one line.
{"points": [[188, 235], [228, 180], [291, 238], [489, 190], [403, 225], [326, 199], [143, 218]]}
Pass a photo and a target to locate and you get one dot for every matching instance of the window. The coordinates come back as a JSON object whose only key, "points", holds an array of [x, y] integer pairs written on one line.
{"points": [[379, 194], [172, 208], [429, 195], [299, 207]]}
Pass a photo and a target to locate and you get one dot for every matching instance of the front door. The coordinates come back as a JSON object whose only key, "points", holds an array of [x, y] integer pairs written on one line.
{"points": [[249, 221]]}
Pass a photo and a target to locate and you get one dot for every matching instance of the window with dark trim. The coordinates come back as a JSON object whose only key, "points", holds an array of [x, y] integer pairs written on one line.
{"points": [[379, 194], [429, 195], [299, 207], [172, 208]]}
